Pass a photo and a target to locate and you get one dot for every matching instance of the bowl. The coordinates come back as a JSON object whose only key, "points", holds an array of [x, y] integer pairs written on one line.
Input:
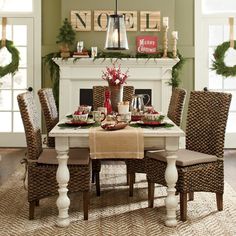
{"points": [[154, 117], [79, 118]]}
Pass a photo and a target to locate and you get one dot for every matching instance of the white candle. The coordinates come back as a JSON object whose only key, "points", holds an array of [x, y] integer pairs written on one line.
{"points": [[175, 34], [166, 21]]}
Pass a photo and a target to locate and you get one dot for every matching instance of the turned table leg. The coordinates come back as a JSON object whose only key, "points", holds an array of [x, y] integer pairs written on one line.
{"points": [[171, 177], [63, 176]]}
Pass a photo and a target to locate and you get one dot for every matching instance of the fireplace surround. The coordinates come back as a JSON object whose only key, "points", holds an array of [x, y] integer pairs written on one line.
{"points": [[79, 76]]}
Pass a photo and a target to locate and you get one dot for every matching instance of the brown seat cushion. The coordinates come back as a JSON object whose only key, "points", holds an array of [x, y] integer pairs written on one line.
{"points": [[185, 157], [76, 156]]}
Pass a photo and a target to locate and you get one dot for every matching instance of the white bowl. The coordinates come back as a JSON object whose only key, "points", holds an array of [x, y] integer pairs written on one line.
{"points": [[79, 118], [153, 117]]}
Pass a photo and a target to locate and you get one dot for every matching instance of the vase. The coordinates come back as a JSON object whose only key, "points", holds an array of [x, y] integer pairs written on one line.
{"points": [[116, 95]]}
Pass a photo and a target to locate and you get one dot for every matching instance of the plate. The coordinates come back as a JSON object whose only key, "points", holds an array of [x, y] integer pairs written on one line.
{"points": [[136, 117], [110, 127], [79, 123], [151, 123]]}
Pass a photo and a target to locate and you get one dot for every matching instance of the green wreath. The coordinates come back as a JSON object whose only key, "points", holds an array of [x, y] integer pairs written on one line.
{"points": [[13, 66], [219, 64]]}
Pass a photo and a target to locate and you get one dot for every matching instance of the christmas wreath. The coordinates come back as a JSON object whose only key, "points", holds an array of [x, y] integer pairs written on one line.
{"points": [[13, 66], [219, 64]]}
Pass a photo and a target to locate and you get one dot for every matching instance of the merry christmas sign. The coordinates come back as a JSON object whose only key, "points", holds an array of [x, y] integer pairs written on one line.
{"points": [[146, 44]]}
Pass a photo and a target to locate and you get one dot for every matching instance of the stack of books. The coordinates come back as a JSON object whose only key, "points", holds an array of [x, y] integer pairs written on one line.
{"points": [[81, 54]]}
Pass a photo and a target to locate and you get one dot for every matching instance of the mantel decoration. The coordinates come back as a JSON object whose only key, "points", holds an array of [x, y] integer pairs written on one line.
{"points": [[224, 62], [116, 79], [66, 38], [12, 67]]}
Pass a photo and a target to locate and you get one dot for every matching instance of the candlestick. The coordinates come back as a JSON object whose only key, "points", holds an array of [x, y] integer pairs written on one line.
{"points": [[165, 41], [175, 37]]}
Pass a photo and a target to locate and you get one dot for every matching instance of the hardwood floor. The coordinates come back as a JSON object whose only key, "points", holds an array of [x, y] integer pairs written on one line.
{"points": [[10, 159]]}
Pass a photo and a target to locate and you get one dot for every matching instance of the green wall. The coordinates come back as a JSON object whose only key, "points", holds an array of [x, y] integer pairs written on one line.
{"points": [[181, 18]]}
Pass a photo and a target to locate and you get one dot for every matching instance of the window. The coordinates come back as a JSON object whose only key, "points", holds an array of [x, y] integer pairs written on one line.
{"points": [[16, 5]]}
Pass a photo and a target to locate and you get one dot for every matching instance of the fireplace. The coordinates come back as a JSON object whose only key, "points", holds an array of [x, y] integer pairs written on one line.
{"points": [[147, 76]]}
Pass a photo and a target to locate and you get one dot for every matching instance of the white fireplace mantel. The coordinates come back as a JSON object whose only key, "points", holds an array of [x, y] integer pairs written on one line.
{"points": [[84, 73]]}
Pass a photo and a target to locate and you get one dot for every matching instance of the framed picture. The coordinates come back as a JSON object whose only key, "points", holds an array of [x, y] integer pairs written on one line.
{"points": [[146, 44]]}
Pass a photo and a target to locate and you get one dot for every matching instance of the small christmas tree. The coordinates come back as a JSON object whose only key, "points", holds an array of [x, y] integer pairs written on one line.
{"points": [[66, 38]]}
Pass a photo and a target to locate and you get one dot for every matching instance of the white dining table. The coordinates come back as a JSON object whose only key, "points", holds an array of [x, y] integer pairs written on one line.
{"points": [[161, 138]]}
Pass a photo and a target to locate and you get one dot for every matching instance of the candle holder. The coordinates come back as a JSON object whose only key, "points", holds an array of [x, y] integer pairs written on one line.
{"points": [[165, 41], [174, 47]]}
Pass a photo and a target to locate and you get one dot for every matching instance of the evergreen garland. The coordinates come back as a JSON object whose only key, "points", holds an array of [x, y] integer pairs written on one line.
{"points": [[218, 63], [13, 66]]}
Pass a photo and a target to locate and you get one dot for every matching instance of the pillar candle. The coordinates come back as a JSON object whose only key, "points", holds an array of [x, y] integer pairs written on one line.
{"points": [[175, 34], [166, 21]]}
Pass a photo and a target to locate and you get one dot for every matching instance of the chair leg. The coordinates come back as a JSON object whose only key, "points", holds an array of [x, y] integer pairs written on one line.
{"points": [[31, 209], [151, 194], [191, 196], [97, 183], [93, 176], [85, 204], [128, 178], [219, 201], [183, 206], [131, 184]]}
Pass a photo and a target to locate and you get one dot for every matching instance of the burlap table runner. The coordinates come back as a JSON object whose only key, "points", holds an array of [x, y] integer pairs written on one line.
{"points": [[120, 144]]}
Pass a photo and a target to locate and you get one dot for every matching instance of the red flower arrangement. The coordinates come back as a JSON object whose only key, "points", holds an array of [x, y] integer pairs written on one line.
{"points": [[114, 76]]}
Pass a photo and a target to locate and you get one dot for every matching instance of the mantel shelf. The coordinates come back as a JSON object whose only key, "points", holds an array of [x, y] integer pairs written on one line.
{"points": [[128, 62]]}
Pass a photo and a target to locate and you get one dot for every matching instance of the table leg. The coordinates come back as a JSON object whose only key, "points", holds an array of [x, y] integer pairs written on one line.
{"points": [[63, 176], [171, 177]]}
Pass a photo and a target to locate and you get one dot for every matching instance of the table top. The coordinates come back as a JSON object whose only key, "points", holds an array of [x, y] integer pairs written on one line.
{"points": [[174, 131]]}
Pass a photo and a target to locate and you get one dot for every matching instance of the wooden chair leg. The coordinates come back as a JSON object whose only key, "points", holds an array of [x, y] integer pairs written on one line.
{"points": [[93, 176], [131, 184], [97, 183], [183, 206], [151, 194], [128, 178], [219, 201], [191, 196], [31, 209], [86, 204]]}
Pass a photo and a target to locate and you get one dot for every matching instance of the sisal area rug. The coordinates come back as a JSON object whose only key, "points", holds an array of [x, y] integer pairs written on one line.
{"points": [[114, 213]]}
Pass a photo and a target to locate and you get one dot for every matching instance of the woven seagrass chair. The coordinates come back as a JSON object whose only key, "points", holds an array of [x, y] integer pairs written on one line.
{"points": [[50, 113], [42, 163], [200, 165], [98, 100], [175, 111]]}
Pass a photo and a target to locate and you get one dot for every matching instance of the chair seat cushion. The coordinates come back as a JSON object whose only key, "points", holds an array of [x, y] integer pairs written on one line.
{"points": [[185, 157], [76, 156]]}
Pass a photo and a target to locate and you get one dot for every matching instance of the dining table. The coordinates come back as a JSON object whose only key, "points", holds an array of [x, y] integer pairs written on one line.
{"points": [[166, 138]]}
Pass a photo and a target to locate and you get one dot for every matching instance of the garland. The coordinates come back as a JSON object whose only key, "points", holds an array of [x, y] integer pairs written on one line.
{"points": [[13, 66], [218, 63], [55, 70]]}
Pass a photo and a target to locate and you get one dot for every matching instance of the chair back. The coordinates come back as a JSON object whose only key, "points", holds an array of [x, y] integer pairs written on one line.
{"points": [[206, 122], [98, 95], [176, 105], [50, 112], [30, 118]]}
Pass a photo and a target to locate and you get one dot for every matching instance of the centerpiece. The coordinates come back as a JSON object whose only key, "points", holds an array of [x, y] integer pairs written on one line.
{"points": [[116, 79]]}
